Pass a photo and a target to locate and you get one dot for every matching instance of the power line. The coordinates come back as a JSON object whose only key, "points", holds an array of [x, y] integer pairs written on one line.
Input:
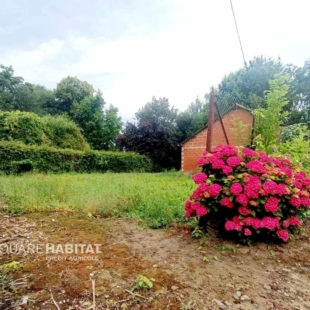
{"points": [[233, 12]]}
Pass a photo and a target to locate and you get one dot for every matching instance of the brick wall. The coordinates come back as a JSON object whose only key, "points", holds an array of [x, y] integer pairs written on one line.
{"points": [[238, 125]]}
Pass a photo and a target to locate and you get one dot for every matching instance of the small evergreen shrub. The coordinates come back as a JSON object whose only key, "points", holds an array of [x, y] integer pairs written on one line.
{"points": [[17, 157], [249, 195]]}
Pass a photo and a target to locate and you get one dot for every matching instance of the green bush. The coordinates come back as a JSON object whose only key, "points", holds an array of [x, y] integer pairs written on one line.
{"points": [[64, 133], [16, 157], [30, 128]]}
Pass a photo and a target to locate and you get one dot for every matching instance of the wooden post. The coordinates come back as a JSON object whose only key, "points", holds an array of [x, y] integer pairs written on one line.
{"points": [[210, 120], [222, 124]]}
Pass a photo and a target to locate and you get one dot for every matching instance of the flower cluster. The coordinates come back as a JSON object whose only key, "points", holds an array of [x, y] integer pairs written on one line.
{"points": [[250, 194]]}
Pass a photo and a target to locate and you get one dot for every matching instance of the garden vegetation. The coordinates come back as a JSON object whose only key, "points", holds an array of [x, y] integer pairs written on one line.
{"points": [[17, 158]]}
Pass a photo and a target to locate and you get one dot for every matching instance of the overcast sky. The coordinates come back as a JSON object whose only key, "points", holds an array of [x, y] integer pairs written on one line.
{"points": [[135, 49]]}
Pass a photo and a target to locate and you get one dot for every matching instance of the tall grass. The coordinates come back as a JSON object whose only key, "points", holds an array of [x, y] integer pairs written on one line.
{"points": [[157, 198]]}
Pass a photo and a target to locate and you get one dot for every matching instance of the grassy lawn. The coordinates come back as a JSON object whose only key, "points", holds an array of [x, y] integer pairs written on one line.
{"points": [[157, 198]]}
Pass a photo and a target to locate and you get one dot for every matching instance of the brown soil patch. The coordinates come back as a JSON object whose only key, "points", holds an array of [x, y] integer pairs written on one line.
{"points": [[187, 274]]}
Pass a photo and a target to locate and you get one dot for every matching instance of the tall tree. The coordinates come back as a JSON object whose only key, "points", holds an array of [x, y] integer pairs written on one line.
{"points": [[15, 94], [247, 86], [154, 134], [70, 92], [100, 126], [299, 95], [8, 88], [193, 118]]}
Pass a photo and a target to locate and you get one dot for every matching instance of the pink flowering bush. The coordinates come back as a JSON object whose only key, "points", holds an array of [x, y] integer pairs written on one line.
{"points": [[249, 195]]}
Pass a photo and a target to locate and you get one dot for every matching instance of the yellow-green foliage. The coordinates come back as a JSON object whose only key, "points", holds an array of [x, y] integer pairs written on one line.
{"points": [[29, 128], [298, 147], [10, 267], [142, 283], [268, 121]]}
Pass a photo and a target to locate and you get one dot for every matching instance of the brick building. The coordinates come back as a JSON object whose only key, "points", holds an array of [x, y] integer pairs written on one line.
{"points": [[238, 123]]}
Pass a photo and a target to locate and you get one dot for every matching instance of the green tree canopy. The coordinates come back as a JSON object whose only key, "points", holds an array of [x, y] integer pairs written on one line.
{"points": [[15, 94], [70, 91], [247, 86], [193, 118]]}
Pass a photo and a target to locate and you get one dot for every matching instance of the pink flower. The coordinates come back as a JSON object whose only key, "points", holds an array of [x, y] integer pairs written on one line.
{"points": [[230, 152], [252, 188], [270, 187], [218, 164], [270, 223], [286, 223], [295, 202], [199, 192], [248, 152], [237, 222], [226, 202], [297, 184], [218, 148], [202, 161], [246, 179], [306, 182], [252, 221], [187, 204], [300, 175], [215, 190], [255, 179], [283, 234], [201, 211], [276, 162], [305, 202], [247, 232], [295, 221], [188, 213], [227, 170], [236, 189], [230, 225], [244, 211], [288, 172], [271, 204], [242, 199], [265, 159], [256, 223], [196, 205], [234, 161], [281, 190], [199, 178], [256, 166], [188, 208]]}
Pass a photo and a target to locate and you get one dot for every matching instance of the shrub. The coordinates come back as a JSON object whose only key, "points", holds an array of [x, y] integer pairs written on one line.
{"points": [[29, 128], [17, 157], [64, 133], [269, 120], [249, 195], [297, 148]]}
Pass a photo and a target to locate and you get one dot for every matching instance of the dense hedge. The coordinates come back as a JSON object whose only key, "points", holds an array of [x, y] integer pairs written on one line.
{"points": [[30, 128], [16, 157]]}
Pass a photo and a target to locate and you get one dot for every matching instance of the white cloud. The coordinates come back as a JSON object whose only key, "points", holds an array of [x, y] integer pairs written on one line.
{"points": [[193, 52]]}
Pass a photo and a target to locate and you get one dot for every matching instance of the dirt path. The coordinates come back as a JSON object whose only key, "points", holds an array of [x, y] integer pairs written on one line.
{"points": [[186, 273]]}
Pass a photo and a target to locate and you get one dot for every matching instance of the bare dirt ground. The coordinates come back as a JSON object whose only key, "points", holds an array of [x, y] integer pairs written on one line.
{"points": [[209, 273]]}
